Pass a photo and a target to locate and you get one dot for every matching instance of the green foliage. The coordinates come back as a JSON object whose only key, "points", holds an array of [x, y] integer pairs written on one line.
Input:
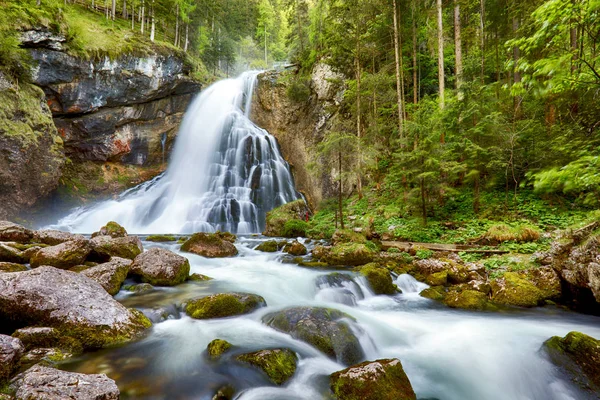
{"points": [[298, 90], [295, 228], [423, 254]]}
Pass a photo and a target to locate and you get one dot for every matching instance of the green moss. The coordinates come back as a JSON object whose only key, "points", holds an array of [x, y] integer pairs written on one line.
{"points": [[347, 236], [278, 364], [198, 278], [313, 264], [278, 217], [379, 279], [140, 318], [217, 347], [434, 293], [12, 267], [269, 246], [437, 278], [516, 290], [349, 254], [161, 238], [468, 300], [140, 288], [294, 228], [223, 305]]}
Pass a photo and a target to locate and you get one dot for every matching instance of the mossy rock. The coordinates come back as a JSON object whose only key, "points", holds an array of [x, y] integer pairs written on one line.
{"points": [[295, 248], [468, 300], [111, 229], [217, 347], [379, 278], [437, 293], [224, 305], [347, 236], [46, 337], [195, 277], [11, 255], [161, 267], [515, 289], [372, 380], [210, 245], [278, 218], [270, 246], [161, 238], [437, 278], [578, 355], [348, 254], [295, 228], [12, 267], [64, 255], [313, 264], [110, 275], [139, 288], [278, 364], [104, 247]]}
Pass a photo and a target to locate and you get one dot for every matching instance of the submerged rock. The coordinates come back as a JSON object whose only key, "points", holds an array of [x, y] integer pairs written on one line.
{"points": [[110, 275], [270, 246], [579, 356], [11, 351], [72, 303], [64, 255], [290, 214], [105, 247], [111, 229], [43, 356], [195, 277], [373, 380], [217, 347], [40, 382], [278, 364], [161, 267], [323, 328], [11, 232], [224, 305], [139, 288], [295, 248], [12, 267], [379, 278], [211, 245]]}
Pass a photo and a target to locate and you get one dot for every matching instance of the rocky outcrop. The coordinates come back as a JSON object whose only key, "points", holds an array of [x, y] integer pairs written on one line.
{"points": [[11, 232], [287, 220], [161, 267], [72, 303], [379, 279], [299, 124], [40, 382]]}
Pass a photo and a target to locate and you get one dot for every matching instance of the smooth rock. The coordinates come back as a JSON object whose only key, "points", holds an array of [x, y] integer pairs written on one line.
{"points": [[110, 275], [105, 247], [64, 255], [53, 237], [211, 245], [12, 267], [224, 305], [161, 267], [278, 364]]}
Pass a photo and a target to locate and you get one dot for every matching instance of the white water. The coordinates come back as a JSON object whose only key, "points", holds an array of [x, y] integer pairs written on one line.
{"points": [[225, 173], [447, 354]]}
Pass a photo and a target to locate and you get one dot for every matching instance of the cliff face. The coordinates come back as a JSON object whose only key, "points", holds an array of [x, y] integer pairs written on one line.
{"points": [[299, 122], [115, 120]]}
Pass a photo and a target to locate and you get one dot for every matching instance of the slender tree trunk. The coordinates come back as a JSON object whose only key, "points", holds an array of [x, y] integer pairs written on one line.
{"points": [[105, 7], [398, 83], [187, 37], [414, 56], [299, 28], [516, 73], [177, 25], [153, 26], [482, 28], [143, 17], [423, 203], [440, 37], [458, 49], [114, 9], [39, 3], [358, 110], [132, 16], [266, 58], [125, 9], [340, 207]]}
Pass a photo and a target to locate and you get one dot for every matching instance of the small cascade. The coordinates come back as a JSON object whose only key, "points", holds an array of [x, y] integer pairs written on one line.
{"points": [[163, 142], [338, 288], [408, 284], [225, 174]]}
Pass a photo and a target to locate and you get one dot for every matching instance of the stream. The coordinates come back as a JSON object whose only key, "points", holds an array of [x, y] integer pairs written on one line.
{"points": [[447, 354]]}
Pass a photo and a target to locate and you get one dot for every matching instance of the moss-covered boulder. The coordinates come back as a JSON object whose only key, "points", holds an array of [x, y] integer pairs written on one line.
{"points": [[295, 248], [11, 351], [270, 246], [437, 293], [161, 238], [46, 337], [523, 289], [217, 347], [224, 305], [348, 254], [12, 267], [372, 380], [278, 364], [379, 278], [437, 278], [292, 214], [71, 303], [11, 254], [64, 255], [468, 300], [105, 247], [161, 267], [53, 237], [11, 232], [578, 355], [210, 245], [324, 328], [347, 236], [111, 229], [110, 275]]}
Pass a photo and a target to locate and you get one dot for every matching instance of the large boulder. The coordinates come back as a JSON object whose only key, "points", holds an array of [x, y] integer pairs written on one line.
{"points": [[161, 267], [211, 245], [287, 220], [379, 278], [372, 380], [278, 364], [323, 328], [70, 302], [64, 255], [11, 232], [578, 355], [105, 247], [11, 351], [42, 383], [347, 254], [53, 237], [295, 248], [110, 275], [270, 246], [111, 229], [526, 289], [224, 305]]}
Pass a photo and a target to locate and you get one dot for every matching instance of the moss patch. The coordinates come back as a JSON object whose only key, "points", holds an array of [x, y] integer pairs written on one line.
{"points": [[217, 347], [278, 364], [379, 279], [161, 238], [270, 246], [224, 305]]}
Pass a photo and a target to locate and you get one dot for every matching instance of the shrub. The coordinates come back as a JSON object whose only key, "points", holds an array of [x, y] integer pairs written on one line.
{"points": [[295, 228]]}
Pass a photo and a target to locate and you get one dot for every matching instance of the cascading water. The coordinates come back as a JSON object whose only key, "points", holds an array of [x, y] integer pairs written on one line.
{"points": [[225, 174]]}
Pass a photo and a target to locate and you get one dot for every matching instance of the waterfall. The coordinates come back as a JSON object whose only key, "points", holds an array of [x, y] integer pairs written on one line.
{"points": [[225, 174]]}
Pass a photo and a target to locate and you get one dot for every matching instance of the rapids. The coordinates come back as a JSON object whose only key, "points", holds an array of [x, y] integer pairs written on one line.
{"points": [[447, 354]]}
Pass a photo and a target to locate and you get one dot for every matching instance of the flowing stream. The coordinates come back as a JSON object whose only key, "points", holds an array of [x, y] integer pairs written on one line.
{"points": [[447, 354], [225, 174]]}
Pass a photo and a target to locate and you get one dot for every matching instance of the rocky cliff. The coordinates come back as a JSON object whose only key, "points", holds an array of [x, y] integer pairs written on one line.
{"points": [[298, 112], [114, 123]]}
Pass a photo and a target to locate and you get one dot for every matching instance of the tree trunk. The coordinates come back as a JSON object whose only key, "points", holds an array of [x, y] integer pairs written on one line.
{"points": [[299, 27], [482, 28], [132, 16], [414, 56], [266, 58], [516, 73], [341, 209], [358, 110], [187, 37], [423, 203], [440, 34], [114, 9], [458, 49], [177, 25], [398, 83], [153, 26], [143, 17], [125, 9], [39, 3]]}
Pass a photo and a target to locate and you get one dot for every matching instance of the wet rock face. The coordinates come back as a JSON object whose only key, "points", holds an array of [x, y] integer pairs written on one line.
{"points": [[322, 328], [161, 267], [42, 38], [48, 383], [72, 303], [11, 350], [376, 380]]}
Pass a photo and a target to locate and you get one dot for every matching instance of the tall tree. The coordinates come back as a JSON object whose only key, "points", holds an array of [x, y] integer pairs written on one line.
{"points": [[440, 43]]}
